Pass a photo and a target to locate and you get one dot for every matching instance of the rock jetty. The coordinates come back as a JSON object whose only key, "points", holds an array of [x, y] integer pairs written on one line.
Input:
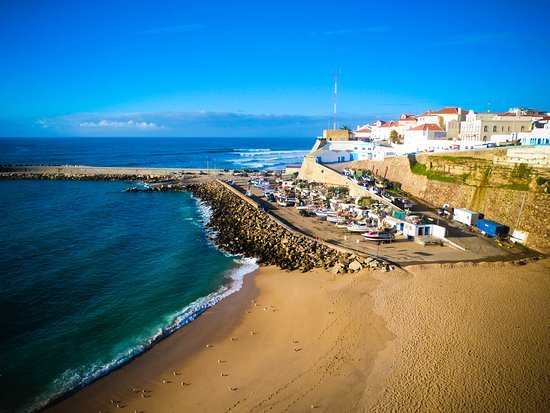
{"points": [[80, 177], [241, 228]]}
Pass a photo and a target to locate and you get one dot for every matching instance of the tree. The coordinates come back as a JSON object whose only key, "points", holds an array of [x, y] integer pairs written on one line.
{"points": [[346, 127], [394, 137]]}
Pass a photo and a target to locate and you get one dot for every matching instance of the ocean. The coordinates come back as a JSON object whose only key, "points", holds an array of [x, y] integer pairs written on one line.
{"points": [[221, 153], [92, 276]]}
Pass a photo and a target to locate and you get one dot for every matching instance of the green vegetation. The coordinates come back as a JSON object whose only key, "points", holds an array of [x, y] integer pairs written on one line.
{"points": [[521, 171], [394, 137], [457, 159], [420, 169], [333, 190], [516, 187], [366, 201], [541, 180], [464, 177]]}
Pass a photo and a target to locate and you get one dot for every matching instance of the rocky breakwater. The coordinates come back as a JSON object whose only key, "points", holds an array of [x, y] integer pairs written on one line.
{"points": [[79, 177], [241, 228]]}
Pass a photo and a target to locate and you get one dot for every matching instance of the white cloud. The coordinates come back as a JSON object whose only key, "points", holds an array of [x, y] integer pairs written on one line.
{"points": [[42, 123], [129, 124], [193, 124]]}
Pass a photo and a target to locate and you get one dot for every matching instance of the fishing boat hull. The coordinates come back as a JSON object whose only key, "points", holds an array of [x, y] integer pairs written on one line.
{"points": [[375, 236]]}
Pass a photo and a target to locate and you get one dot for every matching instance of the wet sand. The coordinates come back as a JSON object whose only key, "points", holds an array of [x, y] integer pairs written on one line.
{"points": [[465, 337], [307, 340]]}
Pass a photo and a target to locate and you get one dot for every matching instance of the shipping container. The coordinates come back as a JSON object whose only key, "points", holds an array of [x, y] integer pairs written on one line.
{"points": [[492, 228], [465, 216]]}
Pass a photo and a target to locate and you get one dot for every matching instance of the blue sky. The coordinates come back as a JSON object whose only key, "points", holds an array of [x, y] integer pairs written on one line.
{"points": [[256, 68]]}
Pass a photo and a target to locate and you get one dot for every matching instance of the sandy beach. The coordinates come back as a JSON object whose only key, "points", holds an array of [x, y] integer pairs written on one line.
{"points": [[432, 338], [469, 337], [307, 339]]}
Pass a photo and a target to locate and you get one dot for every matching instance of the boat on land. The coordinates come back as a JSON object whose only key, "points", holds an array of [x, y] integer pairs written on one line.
{"points": [[407, 204], [321, 213], [358, 227], [301, 206], [343, 225], [378, 236], [335, 219]]}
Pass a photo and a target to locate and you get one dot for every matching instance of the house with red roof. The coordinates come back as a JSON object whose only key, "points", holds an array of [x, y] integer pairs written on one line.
{"points": [[363, 132], [382, 133], [426, 137], [448, 118]]}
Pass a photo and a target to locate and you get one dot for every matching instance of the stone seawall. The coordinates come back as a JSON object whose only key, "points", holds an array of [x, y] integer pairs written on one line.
{"points": [[242, 228]]}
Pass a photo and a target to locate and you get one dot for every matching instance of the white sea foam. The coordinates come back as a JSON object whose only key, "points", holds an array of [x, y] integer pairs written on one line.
{"points": [[85, 374], [251, 150], [261, 152], [266, 159]]}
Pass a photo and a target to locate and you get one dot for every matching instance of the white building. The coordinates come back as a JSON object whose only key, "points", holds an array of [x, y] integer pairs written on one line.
{"points": [[363, 132], [448, 119], [383, 132], [479, 127], [539, 135], [345, 151], [426, 137], [411, 229]]}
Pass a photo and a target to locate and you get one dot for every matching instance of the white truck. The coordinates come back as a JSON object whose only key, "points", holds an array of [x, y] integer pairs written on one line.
{"points": [[465, 216]]}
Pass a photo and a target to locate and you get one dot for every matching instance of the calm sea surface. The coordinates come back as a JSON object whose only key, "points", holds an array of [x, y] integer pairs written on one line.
{"points": [[92, 275]]}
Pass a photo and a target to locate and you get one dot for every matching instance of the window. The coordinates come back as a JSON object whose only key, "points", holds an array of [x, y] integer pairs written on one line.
{"points": [[485, 128], [502, 129], [508, 128], [494, 128], [522, 128]]}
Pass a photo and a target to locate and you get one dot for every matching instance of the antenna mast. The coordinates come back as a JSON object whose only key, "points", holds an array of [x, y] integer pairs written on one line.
{"points": [[335, 96]]}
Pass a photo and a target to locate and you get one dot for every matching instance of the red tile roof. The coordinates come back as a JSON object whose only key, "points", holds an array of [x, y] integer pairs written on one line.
{"points": [[427, 126], [447, 111], [390, 124], [366, 129]]}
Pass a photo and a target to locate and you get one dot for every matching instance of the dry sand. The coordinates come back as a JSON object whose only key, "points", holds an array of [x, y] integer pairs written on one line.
{"points": [[469, 338], [451, 338]]}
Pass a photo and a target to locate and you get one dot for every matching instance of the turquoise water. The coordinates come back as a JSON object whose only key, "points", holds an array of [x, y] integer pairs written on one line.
{"points": [[92, 275]]}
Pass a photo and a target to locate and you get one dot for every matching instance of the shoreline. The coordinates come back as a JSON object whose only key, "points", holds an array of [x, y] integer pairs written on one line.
{"points": [[193, 333], [205, 304], [433, 337], [291, 345]]}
